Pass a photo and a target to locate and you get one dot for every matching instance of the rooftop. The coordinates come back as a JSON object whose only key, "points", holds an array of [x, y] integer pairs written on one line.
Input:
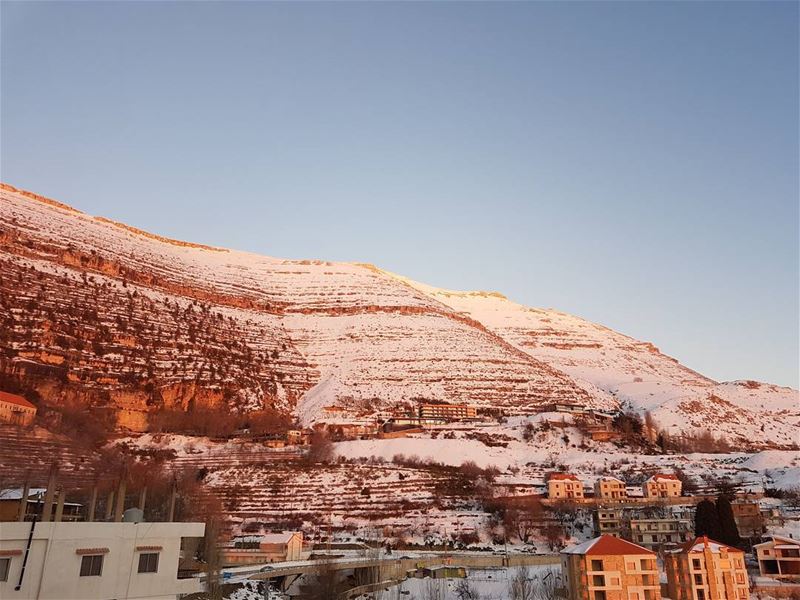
{"points": [[607, 545], [15, 399]]}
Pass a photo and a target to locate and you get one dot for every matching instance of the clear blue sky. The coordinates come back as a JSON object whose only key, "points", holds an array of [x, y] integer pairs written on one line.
{"points": [[632, 163]]}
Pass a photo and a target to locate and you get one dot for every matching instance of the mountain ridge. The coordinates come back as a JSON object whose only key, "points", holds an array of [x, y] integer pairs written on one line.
{"points": [[380, 340]]}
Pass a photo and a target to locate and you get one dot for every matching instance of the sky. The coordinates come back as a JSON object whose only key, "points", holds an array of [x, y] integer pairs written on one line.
{"points": [[632, 163]]}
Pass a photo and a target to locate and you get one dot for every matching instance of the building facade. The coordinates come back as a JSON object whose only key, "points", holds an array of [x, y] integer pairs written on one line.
{"points": [[749, 521], [450, 412], [95, 561], [272, 547], [16, 410], [608, 568], [564, 486], [703, 569], [779, 558], [657, 533], [662, 486], [610, 488]]}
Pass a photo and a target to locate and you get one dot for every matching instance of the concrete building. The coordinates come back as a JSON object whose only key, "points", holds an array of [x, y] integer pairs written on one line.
{"points": [[449, 412], [779, 558], [608, 568], [748, 517], [610, 488], [660, 532], [662, 485], [564, 486], [95, 561], [11, 504], [609, 521], [703, 569], [16, 410], [272, 547]]}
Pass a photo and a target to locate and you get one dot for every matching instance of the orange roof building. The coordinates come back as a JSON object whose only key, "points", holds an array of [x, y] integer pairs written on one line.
{"points": [[610, 568], [16, 410], [703, 569], [564, 486], [662, 485]]}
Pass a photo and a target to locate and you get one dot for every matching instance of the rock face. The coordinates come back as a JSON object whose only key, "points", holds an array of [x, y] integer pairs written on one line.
{"points": [[106, 315]]}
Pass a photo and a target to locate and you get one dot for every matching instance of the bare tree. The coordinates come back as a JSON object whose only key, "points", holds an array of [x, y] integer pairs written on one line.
{"points": [[522, 586], [321, 448], [466, 591], [433, 589]]}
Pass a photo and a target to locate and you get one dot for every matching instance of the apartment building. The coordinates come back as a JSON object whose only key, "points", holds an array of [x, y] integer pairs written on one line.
{"points": [[608, 568], [95, 561], [564, 486], [662, 485], [449, 412], [610, 488], [703, 569], [660, 532], [779, 558]]}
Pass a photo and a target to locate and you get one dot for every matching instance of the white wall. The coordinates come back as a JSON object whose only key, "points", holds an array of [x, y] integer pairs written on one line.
{"points": [[53, 568]]}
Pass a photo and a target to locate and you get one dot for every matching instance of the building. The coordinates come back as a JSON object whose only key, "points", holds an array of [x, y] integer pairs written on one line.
{"points": [[657, 533], [610, 488], [608, 568], [272, 547], [779, 558], [11, 503], [16, 410], [748, 517], [449, 412], [564, 486], [609, 521], [661, 485], [95, 561], [703, 569]]}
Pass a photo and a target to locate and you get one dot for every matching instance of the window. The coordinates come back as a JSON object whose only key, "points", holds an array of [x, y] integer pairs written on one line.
{"points": [[701, 595], [92, 565], [148, 562], [598, 581], [698, 579], [696, 563], [600, 595], [5, 563], [597, 565]]}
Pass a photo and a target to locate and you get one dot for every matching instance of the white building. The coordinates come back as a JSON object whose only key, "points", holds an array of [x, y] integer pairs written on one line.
{"points": [[95, 561]]}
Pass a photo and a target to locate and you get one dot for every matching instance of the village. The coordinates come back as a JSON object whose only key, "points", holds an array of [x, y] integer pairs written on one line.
{"points": [[603, 536]]}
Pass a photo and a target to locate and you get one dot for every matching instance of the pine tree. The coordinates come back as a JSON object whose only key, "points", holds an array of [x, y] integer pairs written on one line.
{"points": [[706, 520], [728, 529]]}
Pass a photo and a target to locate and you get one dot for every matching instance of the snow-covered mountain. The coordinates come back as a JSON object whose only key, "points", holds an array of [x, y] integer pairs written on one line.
{"points": [[105, 314]]}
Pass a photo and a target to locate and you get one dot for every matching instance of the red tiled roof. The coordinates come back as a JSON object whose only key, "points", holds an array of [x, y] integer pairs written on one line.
{"points": [[15, 399], [562, 476], [608, 545], [658, 476], [701, 541]]}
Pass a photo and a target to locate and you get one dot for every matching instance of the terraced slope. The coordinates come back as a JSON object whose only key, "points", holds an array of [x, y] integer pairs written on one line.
{"points": [[130, 320]]}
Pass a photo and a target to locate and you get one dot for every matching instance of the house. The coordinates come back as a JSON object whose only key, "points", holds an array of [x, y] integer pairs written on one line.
{"points": [[16, 410], [660, 532], [272, 547], [564, 486], [449, 412], [609, 521], [298, 437], [662, 485], [95, 561], [11, 503], [779, 558], [608, 568], [748, 517], [703, 569], [610, 488]]}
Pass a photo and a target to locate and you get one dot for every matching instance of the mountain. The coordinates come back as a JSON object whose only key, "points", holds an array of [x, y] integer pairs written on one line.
{"points": [[100, 314]]}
